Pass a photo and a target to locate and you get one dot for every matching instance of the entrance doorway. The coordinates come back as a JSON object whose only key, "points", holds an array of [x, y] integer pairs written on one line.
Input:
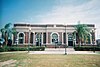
{"points": [[21, 38], [54, 38], [38, 39], [70, 39]]}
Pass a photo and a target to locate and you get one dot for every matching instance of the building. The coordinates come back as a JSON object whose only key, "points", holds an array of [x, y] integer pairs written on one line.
{"points": [[49, 35]]}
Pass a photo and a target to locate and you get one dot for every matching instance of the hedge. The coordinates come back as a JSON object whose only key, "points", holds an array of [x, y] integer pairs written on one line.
{"points": [[87, 48], [37, 48], [6, 48]]}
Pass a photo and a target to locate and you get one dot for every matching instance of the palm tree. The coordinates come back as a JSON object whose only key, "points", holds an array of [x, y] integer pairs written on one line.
{"points": [[3, 32], [7, 31], [82, 31]]}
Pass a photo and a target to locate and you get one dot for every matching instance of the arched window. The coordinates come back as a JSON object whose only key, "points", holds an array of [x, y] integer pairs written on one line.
{"points": [[21, 38], [54, 38]]}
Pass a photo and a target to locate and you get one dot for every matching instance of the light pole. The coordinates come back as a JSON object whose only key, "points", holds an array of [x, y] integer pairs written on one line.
{"points": [[65, 42], [29, 38]]}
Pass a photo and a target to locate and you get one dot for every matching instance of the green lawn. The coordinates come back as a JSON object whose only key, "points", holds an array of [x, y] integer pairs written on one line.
{"points": [[29, 60]]}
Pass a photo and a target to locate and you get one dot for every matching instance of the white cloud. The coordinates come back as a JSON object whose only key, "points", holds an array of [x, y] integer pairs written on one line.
{"points": [[70, 14], [63, 14]]}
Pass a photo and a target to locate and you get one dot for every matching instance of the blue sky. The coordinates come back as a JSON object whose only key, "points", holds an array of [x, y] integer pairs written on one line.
{"points": [[23, 10], [50, 12]]}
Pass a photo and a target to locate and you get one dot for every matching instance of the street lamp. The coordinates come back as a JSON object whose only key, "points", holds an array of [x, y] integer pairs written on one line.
{"points": [[29, 38], [65, 41]]}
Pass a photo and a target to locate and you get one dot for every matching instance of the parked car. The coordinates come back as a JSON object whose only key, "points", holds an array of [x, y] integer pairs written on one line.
{"points": [[2, 41]]}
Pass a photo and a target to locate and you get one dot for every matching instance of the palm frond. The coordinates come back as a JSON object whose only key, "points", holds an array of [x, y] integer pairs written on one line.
{"points": [[82, 30], [7, 25], [14, 31]]}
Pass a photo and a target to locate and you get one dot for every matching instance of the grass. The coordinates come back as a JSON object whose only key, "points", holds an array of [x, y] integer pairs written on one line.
{"points": [[28, 60]]}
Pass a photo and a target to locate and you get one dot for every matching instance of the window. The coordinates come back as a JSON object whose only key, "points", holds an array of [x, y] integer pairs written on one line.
{"points": [[54, 38], [21, 38]]}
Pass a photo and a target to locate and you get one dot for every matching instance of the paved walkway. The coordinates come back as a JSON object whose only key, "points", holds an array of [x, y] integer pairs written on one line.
{"points": [[55, 51], [61, 51]]}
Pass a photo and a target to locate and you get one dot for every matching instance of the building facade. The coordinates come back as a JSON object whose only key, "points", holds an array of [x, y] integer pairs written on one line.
{"points": [[49, 35]]}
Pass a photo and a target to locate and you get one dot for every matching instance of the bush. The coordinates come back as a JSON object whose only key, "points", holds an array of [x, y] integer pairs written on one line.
{"points": [[17, 49], [2, 49], [87, 48], [37, 48], [6, 48]]}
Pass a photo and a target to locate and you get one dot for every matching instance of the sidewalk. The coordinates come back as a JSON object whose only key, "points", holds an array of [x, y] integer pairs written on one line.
{"points": [[62, 51], [13, 52], [55, 51]]}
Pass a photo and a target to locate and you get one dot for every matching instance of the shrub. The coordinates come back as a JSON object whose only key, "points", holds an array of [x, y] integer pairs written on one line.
{"points": [[2, 49], [87, 48], [37, 48], [18, 49], [6, 48]]}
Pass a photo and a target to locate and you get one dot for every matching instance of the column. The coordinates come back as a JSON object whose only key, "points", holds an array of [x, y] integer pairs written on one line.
{"points": [[39, 38], [62, 38], [12, 39], [34, 38], [75, 38], [93, 36], [29, 38], [42, 38], [67, 39], [46, 38], [90, 38]]}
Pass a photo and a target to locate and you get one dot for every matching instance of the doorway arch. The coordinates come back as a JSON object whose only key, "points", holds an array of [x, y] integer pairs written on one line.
{"points": [[21, 37], [54, 38]]}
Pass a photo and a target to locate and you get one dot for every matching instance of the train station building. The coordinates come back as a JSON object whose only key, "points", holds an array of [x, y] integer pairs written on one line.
{"points": [[49, 34]]}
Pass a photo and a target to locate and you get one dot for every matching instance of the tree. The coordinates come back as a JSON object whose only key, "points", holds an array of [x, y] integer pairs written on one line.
{"points": [[7, 31], [82, 31]]}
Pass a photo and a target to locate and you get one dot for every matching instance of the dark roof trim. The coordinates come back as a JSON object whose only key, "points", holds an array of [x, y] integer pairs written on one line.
{"points": [[50, 25]]}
